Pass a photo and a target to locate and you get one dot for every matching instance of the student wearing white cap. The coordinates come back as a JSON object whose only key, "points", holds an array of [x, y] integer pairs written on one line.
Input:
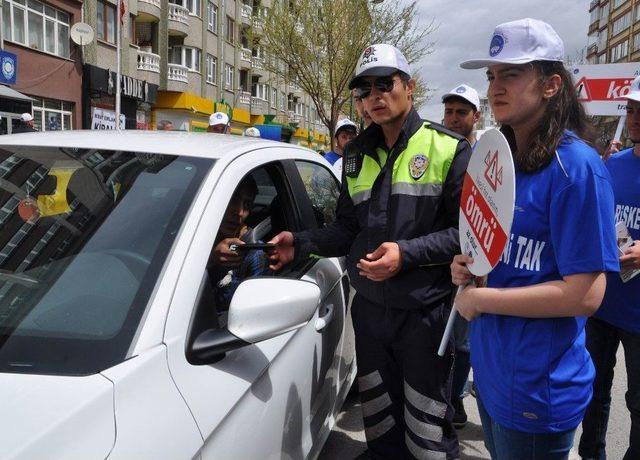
{"points": [[618, 318], [532, 372], [24, 125], [218, 123], [345, 132], [461, 111], [397, 222]]}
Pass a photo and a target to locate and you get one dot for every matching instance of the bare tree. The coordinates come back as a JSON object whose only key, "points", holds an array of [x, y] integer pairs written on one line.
{"points": [[316, 44]]}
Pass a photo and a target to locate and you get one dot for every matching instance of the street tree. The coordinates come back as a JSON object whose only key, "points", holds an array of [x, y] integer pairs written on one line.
{"points": [[315, 44]]}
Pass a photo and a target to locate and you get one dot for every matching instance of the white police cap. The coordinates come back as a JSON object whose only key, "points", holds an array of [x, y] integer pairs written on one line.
{"points": [[344, 124], [520, 42], [380, 60]]}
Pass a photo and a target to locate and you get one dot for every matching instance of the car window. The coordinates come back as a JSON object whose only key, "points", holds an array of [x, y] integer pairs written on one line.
{"points": [[322, 189], [84, 235]]}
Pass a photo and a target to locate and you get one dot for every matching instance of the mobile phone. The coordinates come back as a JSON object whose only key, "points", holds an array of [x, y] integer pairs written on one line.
{"points": [[252, 246]]}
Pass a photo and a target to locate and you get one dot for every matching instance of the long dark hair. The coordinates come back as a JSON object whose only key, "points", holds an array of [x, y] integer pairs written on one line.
{"points": [[562, 112]]}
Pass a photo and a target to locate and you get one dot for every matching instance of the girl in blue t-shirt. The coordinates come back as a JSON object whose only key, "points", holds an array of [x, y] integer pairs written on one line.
{"points": [[531, 369]]}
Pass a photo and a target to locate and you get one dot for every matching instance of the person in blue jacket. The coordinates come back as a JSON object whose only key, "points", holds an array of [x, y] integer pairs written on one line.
{"points": [[345, 132], [532, 372], [618, 319]]}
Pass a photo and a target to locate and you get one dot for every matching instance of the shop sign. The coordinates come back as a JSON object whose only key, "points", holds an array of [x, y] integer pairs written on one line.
{"points": [[8, 68], [105, 119]]}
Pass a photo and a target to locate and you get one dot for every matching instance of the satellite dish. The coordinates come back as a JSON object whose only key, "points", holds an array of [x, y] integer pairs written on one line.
{"points": [[81, 33]]}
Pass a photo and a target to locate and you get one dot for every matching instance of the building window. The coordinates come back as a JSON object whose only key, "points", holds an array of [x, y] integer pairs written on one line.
{"points": [[212, 18], [622, 23], [52, 115], [229, 31], [212, 68], [620, 51], [604, 12], [617, 3], [602, 59], [186, 56], [106, 27], [283, 101], [228, 77], [595, 15], [260, 90], [36, 25], [192, 5], [274, 98], [636, 42]]}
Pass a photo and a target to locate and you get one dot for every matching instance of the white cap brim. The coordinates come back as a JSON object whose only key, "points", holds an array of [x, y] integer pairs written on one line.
{"points": [[480, 63]]}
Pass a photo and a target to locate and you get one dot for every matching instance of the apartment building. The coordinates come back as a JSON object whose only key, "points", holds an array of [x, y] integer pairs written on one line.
{"points": [[181, 60], [614, 31], [47, 66]]}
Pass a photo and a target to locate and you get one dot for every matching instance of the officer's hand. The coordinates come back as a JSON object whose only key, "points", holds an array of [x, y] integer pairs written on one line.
{"points": [[613, 147], [465, 302], [224, 256], [631, 257], [460, 274], [381, 264], [283, 253]]}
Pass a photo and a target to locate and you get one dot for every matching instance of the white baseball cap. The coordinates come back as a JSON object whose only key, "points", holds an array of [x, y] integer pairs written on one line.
{"points": [[252, 132], [634, 90], [380, 60], [519, 42], [344, 124], [26, 117], [218, 118], [465, 92]]}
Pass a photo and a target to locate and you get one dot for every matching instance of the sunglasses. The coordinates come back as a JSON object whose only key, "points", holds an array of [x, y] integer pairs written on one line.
{"points": [[382, 84]]}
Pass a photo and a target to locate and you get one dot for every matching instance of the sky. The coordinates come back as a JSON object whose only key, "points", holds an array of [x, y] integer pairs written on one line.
{"points": [[465, 28]]}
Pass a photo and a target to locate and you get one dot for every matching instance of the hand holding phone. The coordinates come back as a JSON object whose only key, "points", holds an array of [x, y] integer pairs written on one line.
{"points": [[252, 247]]}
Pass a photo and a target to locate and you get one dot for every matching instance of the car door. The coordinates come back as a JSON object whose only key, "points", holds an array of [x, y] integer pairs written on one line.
{"points": [[319, 191], [257, 401]]}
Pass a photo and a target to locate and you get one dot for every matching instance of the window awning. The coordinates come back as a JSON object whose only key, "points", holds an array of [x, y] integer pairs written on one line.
{"points": [[9, 93]]}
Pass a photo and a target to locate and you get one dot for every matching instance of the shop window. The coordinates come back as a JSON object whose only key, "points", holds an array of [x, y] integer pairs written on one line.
{"points": [[228, 77], [36, 25], [52, 115], [186, 56], [212, 18], [230, 29], [106, 26], [212, 69]]}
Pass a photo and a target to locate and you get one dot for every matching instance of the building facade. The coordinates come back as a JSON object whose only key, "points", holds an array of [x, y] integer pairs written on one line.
{"points": [[614, 31], [49, 65]]}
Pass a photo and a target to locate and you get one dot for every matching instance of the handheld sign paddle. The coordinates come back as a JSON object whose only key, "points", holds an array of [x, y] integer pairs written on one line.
{"points": [[486, 209]]}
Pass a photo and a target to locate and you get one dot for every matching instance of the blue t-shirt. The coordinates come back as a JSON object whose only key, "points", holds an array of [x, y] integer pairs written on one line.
{"points": [[621, 304], [331, 157], [535, 375]]}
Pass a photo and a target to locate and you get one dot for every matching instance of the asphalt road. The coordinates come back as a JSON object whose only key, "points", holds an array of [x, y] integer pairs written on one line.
{"points": [[347, 438]]}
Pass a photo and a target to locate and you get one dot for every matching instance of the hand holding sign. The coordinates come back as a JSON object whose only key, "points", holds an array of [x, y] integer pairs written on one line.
{"points": [[486, 209]]}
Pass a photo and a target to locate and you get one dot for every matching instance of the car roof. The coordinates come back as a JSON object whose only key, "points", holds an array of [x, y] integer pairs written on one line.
{"points": [[205, 145]]}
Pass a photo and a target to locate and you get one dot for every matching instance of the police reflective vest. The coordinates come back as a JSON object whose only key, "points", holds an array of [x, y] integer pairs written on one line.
{"points": [[408, 194]]}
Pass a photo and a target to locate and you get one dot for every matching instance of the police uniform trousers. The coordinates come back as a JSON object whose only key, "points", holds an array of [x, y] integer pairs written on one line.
{"points": [[404, 386]]}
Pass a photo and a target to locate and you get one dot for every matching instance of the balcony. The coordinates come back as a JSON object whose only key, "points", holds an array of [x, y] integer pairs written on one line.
{"points": [[592, 49], [178, 20], [245, 13], [148, 62], [177, 72], [245, 58], [244, 97], [593, 4], [257, 21], [148, 11], [257, 65], [258, 106], [594, 27]]}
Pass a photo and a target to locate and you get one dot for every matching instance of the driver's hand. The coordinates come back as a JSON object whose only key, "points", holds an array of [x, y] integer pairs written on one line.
{"points": [[224, 256]]}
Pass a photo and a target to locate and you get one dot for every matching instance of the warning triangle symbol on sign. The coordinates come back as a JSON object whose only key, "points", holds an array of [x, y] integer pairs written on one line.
{"points": [[582, 90]]}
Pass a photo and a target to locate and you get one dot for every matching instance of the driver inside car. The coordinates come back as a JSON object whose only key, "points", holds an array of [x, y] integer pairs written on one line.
{"points": [[230, 266]]}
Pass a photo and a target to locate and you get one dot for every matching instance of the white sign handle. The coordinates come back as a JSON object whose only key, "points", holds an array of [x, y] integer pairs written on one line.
{"points": [[616, 136], [449, 329]]}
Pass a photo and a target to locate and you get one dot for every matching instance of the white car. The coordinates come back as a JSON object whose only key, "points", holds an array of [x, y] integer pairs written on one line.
{"points": [[112, 344]]}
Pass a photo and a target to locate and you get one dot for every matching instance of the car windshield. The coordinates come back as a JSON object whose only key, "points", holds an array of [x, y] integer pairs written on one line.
{"points": [[84, 235]]}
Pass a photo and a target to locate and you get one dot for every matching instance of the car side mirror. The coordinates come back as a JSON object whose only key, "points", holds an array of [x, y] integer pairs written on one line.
{"points": [[261, 308]]}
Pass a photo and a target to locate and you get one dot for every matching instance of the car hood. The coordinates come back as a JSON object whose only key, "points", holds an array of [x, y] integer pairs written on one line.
{"points": [[56, 417]]}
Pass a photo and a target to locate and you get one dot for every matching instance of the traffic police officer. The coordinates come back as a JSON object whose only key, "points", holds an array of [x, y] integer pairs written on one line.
{"points": [[397, 221]]}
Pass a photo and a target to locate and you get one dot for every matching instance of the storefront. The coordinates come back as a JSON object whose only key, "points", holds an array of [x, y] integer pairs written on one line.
{"points": [[99, 101]]}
